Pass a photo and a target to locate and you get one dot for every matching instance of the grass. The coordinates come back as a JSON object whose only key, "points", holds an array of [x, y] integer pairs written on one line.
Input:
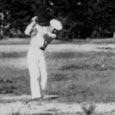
{"points": [[12, 54], [82, 76], [14, 81], [23, 41], [74, 76], [16, 41]]}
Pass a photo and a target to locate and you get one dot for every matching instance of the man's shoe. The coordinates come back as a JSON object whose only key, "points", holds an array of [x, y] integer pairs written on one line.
{"points": [[37, 99], [34, 100], [50, 97]]}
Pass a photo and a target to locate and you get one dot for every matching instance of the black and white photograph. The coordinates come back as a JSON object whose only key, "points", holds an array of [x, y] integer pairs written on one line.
{"points": [[57, 57]]}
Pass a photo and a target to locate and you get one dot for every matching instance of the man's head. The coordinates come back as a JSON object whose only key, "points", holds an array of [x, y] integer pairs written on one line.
{"points": [[56, 24]]}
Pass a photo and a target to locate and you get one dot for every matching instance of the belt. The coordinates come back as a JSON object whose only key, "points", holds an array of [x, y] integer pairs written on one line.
{"points": [[42, 48]]}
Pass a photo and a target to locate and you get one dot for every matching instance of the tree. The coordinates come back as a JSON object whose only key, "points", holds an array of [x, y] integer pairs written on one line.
{"points": [[80, 18]]}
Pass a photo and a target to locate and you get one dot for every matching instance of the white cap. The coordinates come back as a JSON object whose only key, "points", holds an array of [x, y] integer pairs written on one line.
{"points": [[56, 24], [34, 18]]}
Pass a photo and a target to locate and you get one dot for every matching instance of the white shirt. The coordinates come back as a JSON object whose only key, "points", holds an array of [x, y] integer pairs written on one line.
{"points": [[41, 37]]}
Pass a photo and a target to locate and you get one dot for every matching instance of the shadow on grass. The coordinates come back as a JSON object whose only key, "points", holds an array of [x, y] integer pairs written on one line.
{"points": [[6, 86], [44, 114], [83, 66], [12, 54], [66, 55]]}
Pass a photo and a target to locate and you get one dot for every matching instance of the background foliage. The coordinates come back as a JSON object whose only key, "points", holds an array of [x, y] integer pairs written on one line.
{"points": [[80, 18]]}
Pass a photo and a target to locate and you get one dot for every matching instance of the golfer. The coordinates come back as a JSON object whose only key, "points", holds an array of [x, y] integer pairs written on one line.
{"points": [[41, 36]]}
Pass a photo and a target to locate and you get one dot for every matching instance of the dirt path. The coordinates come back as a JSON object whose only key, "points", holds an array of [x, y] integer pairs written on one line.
{"points": [[15, 104]]}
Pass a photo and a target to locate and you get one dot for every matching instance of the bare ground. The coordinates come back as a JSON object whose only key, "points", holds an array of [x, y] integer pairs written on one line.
{"points": [[15, 104]]}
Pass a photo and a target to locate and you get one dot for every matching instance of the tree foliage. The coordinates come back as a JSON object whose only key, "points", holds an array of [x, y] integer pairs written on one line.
{"points": [[80, 18]]}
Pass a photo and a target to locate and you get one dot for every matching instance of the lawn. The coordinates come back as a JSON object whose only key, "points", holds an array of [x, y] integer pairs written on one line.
{"points": [[79, 77], [17, 41], [74, 76]]}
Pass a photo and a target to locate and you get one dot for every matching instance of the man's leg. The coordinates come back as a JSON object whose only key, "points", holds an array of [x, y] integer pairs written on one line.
{"points": [[43, 72], [34, 76]]}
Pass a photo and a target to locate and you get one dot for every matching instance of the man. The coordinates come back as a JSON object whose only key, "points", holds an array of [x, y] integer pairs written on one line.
{"points": [[40, 38]]}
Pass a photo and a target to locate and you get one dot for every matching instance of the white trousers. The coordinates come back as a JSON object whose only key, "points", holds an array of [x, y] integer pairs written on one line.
{"points": [[37, 71]]}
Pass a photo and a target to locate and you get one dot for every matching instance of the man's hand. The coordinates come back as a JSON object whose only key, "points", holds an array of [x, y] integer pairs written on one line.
{"points": [[35, 18], [52, 35]]}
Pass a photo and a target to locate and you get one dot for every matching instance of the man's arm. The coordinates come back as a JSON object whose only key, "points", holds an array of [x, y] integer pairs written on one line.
{"points": [[51, 35], [29, 28]]}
